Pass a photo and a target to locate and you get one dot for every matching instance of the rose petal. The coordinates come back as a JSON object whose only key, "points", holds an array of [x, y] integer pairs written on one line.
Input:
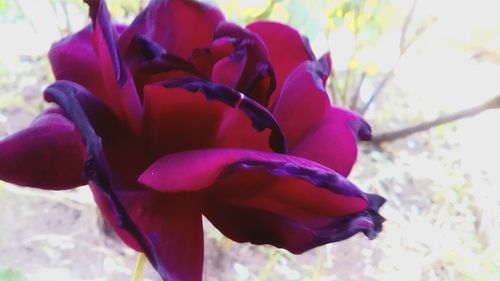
{"points": [[276, 182], [48, 154], [262, 84], [172, 24], [287, 49], [228, 71], [205, 58], [73, 58], [334, 142], [259, 227], [257, 58], [173, 224], [176, 119], [70, 97], [236, 131], [302, 87], [261, 118], [121, 95]]}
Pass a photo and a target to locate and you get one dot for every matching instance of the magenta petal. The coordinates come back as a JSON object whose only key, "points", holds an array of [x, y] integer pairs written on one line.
{"points": [[205, 58], [228, 70], [48, 154], [257, 66], [259, 116], [289, 179], [259, 227], [176, 119], [334, 142], [74, 59], [268, 198], [75, 101], [304, 87], [121, 95], [179, 26], [287, 49], [173, 224]]}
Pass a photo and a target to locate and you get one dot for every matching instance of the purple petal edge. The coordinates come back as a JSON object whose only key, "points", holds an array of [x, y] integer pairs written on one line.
{"points": [[322, 178], [261, 118], [69, 95], [369, 222], [99, 13]]}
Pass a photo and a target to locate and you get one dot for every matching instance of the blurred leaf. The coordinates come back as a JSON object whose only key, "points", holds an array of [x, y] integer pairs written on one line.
{"points": [[3, 5], [9, 274]]}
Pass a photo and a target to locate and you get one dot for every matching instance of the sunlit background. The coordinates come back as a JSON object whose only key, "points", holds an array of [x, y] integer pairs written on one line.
{"points": [[399, 62]]}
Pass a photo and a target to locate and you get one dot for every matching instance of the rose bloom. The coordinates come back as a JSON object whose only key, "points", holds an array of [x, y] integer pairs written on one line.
{"points": [[183, 114]]}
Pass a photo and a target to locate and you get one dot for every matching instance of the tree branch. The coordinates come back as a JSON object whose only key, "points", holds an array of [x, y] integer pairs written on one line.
{"points": [[355, 97], [406, 24], [402, 51], [391, 136]]}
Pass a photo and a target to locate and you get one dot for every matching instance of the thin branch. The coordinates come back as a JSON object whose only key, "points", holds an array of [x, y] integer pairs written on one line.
{"points": [[355, 97], [391, 136], [69, 28], [406, 24], [403, 48], [388, 76]]}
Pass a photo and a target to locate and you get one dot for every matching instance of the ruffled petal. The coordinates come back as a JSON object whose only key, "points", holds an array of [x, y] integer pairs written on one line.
{"points": [[173, 224], [287, 49], [121, 95], [173, 24], [49, 154], [334, 142], [304, 87], [205, 58], [244, 224], [275, 182], [261, 119], [229, 70], [71, 97], [257, 62]]}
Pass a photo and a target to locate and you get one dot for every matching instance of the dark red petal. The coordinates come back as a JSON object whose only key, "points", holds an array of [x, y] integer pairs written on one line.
{"points": [[260, 118], [166, 228], [205, 58], [302, 103], [180, 26], [262, 84], [261, 227], [287, 49], [121, 95], [269, 181], [106, 208], [228, 71], [73, 58], [176, 120], [256, 60], [236, 131], [71, 97], [334, 142], [173, 224], [48, 154]]}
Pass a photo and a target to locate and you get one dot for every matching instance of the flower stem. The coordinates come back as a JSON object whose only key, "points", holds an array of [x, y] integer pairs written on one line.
{"points": [[139, 267]]}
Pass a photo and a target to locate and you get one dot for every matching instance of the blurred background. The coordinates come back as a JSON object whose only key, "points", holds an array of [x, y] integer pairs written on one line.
{"points": [[424, 73]]}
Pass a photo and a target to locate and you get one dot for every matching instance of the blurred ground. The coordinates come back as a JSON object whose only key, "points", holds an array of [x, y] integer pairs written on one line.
{"points": [[441, 185]]}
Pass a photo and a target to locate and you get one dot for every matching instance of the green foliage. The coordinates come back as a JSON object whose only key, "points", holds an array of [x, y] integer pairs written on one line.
{"points": [[9, 274], [3, 5]]}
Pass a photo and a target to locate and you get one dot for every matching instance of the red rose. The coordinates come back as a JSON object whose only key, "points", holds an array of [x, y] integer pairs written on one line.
{"points": [[182, 114]]}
